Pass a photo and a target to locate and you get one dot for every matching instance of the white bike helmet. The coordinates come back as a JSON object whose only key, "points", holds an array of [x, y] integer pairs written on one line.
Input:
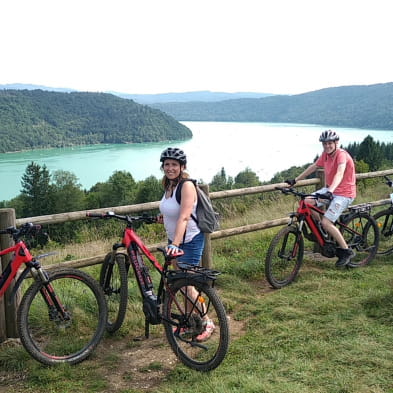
{"points": [[328, 135]]}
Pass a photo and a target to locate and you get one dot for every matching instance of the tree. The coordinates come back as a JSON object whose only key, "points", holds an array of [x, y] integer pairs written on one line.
{"points": [[149, 190], [68, 193], [370, 152], [119, 190], [221, 182], [37, 192], [247, 178]]}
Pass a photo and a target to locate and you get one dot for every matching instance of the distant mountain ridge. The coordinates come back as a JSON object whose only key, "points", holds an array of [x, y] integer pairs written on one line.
{"points": [[369, 106], [204, 96], [359, 106]]}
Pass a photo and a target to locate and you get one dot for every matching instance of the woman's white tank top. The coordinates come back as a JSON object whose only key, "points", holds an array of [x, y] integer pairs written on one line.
{"points": [[170, 209]]}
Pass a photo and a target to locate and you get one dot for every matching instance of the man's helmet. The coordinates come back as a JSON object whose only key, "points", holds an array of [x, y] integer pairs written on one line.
{"points": [[328, 135], [174, 153]]}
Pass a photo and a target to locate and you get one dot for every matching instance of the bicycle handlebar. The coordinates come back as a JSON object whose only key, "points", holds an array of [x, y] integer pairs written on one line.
{"points": [[28, 229], [129, 219], [302, 195]]}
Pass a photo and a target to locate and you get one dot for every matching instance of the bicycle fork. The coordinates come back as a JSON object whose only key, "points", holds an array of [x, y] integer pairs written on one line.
{"points": [[283, 253], [57, 312]]}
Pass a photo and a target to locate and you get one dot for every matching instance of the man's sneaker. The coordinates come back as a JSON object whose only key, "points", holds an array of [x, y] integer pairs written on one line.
{"points": [[209, 329], [344, 256]]}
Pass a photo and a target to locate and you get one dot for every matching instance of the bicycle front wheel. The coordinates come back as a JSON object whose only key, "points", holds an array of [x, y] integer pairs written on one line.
{"points": [[53, 337], [361, 233], [284, 257], [384, 221], [113, 280], [195, 323]]}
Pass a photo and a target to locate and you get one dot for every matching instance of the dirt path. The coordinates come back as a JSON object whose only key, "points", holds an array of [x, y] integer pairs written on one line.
{"points": [[140, 364]]}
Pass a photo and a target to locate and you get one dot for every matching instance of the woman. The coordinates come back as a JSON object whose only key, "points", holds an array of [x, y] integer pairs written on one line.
{"points": [[183, 232]]}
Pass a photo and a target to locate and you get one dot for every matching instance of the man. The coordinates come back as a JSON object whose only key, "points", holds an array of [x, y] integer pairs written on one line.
{"points": [[340, 188]]}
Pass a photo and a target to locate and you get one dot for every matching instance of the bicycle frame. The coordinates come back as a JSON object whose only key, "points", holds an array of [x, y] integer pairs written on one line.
{"points": [[21, 256], [303, 213]]}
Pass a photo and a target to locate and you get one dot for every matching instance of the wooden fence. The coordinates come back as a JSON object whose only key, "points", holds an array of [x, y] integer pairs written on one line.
{"points": [[7, 218]]}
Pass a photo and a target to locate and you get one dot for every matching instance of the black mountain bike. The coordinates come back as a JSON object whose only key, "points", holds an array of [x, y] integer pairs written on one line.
{"points": [[61, 317], [286, 251], [186, 302], [384, 220]]}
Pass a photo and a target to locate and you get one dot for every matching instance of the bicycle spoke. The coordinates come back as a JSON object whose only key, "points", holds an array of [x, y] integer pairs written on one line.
{"points": [[385, 224], [284, 257], [188, 308], [362, 235], [54, 337]]}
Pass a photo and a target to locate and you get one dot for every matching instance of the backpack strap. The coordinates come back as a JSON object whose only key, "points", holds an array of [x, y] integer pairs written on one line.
{"points": [[179, 188], [178, 194]]}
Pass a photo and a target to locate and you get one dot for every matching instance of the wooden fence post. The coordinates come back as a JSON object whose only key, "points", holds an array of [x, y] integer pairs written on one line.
{"points": [[7, 308], [207, 251]]}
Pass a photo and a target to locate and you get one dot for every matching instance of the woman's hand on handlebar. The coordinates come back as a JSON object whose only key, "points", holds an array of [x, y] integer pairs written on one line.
{"points": [[173, 251]]}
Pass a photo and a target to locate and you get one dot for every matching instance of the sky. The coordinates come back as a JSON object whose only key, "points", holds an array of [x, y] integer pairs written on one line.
{"points": [[162, 46]]}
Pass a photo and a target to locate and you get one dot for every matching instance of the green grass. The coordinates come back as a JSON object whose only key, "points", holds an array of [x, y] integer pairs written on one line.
{"points": [[329, 332]]}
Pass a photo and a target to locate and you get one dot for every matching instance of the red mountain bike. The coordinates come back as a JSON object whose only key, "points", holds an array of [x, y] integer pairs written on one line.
{"points": [[286, 251], [384, 220], [184, 301], [62, 315]]}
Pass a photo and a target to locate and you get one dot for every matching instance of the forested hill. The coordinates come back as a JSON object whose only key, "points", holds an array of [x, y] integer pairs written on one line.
{"points": [[347, 106], [31, 119]]}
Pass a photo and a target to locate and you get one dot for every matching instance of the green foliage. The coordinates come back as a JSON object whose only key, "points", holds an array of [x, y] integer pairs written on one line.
{"points": [[36, 191], [246, 178], [31, 119], [220, 181], [149, 190], [375, 154]]}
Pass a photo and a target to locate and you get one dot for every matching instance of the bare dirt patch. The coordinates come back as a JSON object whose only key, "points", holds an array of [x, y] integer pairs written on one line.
{"points": [[123, 362], [146, 363]]}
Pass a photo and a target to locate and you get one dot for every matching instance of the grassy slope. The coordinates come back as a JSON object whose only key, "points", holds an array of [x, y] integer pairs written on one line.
{"points": [[329, 332]]}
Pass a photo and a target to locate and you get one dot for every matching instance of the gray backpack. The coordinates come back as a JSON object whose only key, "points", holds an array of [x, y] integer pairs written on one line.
{"points": [[207, 218]]}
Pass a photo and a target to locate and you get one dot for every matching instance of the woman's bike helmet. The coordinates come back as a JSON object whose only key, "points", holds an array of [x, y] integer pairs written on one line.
{"points": [[328, 136], [173, 153]]}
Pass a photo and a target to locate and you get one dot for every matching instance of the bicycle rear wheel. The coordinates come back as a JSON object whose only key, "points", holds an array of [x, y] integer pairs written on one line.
{"points": [[362, 235], [113, 280], [284, 257], [46, 334], [185, 314], [384, 220]]}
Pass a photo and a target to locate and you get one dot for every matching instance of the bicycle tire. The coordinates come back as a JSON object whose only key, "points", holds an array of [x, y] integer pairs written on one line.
{"points": [[364, 245], [183, 328], [114, 282], [384, 219], [281, 268], [50, 339]]}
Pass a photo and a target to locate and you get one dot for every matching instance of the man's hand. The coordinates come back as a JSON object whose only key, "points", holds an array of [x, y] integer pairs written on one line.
{"points": [[326, 195], [291, 182]]}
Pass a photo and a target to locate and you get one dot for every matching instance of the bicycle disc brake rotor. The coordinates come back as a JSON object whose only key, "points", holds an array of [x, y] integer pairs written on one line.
{"points": [[192, 327]]}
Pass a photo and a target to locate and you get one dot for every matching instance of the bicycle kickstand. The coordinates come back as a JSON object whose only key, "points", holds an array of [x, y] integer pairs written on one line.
{"points": [[147, 332], [147, 328]]}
